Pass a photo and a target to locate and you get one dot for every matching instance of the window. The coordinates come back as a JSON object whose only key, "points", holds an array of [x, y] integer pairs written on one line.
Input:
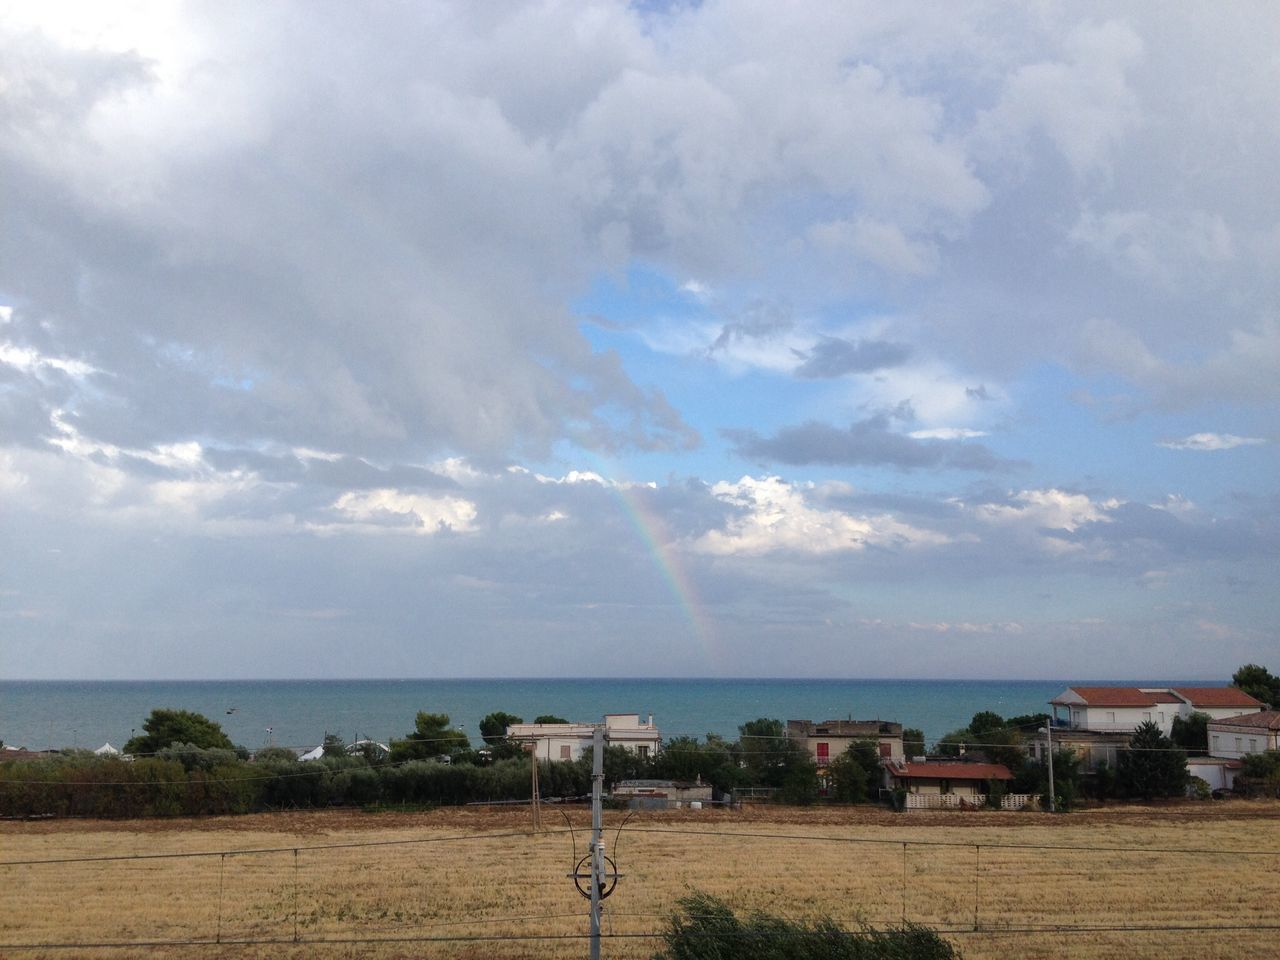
{"points": [[944, 786], [1161, 715], [565, 752], [1239, 745], [824, 752], [886, 749], [643, 750], [1253, 745], [1215, 741], [1111, 716], [1146, 715]]}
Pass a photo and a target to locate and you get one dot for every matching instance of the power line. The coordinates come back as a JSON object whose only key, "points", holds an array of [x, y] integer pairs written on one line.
{"points": [[1098, 848], [252, 851]]}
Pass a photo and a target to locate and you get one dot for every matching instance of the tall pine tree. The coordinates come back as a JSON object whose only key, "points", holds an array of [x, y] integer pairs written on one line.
{"points": [[1152, 766]]}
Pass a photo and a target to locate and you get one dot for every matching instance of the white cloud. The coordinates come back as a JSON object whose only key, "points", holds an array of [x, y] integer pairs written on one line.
{"points": [[397, 510], [1210, 441], [1034, 517], [29, 360], [946, 433], [776, 517]]}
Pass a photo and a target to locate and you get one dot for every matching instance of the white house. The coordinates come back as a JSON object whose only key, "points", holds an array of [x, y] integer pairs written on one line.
{"points": [[1124, 709], [1218, 772], [568, 741], [1234, 737]]}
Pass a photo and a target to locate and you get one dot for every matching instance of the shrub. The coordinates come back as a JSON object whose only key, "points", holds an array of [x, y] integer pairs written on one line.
{"points": [[707, 929]]}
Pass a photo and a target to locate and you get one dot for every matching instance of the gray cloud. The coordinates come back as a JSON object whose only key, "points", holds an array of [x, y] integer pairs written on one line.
{"points": [[835, 357], [868, 442]]}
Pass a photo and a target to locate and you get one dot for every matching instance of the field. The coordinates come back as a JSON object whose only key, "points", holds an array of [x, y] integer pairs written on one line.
{"points": [[429, 884]]}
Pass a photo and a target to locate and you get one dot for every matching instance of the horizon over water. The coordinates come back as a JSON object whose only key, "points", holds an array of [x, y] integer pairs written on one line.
{"points": [[42, 714]]}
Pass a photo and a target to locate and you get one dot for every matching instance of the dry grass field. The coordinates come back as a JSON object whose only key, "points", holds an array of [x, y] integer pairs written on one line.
{"points": [[347, 878]]}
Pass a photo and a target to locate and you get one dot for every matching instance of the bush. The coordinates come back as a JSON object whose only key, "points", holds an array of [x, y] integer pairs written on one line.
{"points": [[707, 929]]}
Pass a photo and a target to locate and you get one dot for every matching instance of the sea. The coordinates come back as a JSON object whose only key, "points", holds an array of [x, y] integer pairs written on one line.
{"points": [[55, 714]]}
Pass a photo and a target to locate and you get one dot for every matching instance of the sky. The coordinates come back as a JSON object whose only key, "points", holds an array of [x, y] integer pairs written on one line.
{"points": [[594, 339]]}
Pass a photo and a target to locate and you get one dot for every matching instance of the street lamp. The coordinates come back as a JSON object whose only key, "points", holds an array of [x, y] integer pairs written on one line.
{"points": [[1048, 733]]}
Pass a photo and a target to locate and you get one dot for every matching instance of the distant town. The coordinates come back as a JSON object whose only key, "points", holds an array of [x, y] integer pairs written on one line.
{"points": [[1091, 745]]}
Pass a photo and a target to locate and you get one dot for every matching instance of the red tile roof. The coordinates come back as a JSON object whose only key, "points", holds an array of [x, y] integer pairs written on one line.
{"points": [[954, 771], [1262, 720], [1217, 697], [1115, 696]]}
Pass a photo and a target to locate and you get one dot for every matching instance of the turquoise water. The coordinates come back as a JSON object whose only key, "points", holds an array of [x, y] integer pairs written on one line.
{"points": [[43, 714]]}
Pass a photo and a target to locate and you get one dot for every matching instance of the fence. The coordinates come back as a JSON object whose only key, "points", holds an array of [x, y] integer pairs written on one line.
{"points": [[462, 888], [952, 801]]}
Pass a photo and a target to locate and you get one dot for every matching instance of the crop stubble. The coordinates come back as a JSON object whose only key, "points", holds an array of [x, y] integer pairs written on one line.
{"points": [[498, 886]]}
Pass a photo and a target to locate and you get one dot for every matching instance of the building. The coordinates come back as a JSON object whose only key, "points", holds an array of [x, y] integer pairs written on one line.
{"points": [[569, 741], [1124, 709], [1091, 746], [970, 782], [662, 794], [1234, 737], [1218, 772], [829, 739]]}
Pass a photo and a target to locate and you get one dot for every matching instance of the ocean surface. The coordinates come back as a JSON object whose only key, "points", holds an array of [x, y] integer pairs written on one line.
{"points": [[298, 713]]}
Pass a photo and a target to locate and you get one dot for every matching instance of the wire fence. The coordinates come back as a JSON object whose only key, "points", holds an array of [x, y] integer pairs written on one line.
{"points": [[135, 892]]}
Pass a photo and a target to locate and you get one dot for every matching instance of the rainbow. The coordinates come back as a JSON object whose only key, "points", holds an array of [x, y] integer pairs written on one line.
{"points": [[659, 543]]}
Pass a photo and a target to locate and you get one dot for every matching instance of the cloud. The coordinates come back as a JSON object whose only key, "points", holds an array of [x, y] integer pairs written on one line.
{"points": [[396, 509], [869, 442], [1083, 102], [775, 517], [1245, 369], [946, 433], [836, 357], [1210, 441]]}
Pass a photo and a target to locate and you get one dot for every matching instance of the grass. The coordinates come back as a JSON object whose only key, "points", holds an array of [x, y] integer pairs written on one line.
{"points": [[956, 866]]}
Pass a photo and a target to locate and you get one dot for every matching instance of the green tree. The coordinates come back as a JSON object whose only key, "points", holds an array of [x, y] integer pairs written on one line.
{"points": [[430, 737], [1152, 766], [165, 727], [856, 773], [913, 742], [1258, 682], [493, 728], [762, 747], [1192, 734], [334, 746], [549, 718]]}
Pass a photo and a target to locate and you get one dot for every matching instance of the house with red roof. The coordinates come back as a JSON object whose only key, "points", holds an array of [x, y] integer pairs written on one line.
{"points": [[946, 783], [1124, 709]]}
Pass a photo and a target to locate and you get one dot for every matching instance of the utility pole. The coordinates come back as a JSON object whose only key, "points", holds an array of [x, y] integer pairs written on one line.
{"points": [[533, 787], [1048, 733], [597, 841]]}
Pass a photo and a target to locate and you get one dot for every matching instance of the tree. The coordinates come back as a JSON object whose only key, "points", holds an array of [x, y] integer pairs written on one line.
{"points": [[334, 746], [1258, 682], [430, 737], [1192, 734], [1152, 766], [549, 718], [165, 727], [493, 728], [913, 742], [762, 747], [855, 774]]}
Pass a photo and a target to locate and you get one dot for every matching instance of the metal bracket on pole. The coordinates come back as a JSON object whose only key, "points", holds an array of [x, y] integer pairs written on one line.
{"points": [[597, 838]]}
